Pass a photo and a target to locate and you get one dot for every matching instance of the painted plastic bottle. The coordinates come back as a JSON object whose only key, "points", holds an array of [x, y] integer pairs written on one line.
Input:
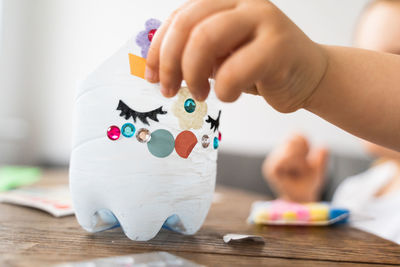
{"points": [[139, 160]]}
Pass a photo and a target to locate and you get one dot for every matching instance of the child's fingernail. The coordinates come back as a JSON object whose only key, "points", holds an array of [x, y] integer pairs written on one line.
{"points": [[164, 91], [149, 75], [197, 96]]}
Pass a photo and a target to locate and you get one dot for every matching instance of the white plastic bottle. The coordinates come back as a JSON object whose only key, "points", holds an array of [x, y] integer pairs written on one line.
{"points": [[159, 172]]}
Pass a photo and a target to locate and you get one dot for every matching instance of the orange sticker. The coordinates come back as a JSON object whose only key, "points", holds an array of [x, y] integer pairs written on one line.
{"points": [[184, 143], [138, 65]]}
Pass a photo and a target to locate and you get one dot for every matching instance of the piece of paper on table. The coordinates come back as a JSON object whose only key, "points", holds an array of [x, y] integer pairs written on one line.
{"points": [[135, 260], [55, 200], [239, 237], [15, 176]]}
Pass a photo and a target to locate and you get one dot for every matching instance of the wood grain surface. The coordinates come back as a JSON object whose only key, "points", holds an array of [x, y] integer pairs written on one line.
{"points": [[30, 237]]}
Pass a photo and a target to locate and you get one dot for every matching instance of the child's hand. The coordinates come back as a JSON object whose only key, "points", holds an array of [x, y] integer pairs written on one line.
{"points": [[295, 172], [247, 45]]}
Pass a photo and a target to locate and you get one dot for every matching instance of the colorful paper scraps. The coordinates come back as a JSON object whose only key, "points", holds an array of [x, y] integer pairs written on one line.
{"points": [[55, 200], [161, 144], [137, 65], [15, 176], [184, 143]]}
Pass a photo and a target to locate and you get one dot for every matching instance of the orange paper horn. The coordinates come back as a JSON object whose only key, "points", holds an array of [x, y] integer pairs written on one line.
{"points": [[138, 65]]}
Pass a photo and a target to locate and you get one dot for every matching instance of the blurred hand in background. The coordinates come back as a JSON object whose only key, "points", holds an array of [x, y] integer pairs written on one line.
{"points": [[295, 171]]}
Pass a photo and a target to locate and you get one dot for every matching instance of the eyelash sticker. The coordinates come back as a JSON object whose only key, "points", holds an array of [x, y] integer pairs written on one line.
{"points": [[127, 112], [214, 123]]}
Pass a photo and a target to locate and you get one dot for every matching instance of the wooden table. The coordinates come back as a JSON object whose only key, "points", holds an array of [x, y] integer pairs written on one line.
{"points": [[30, 237]]}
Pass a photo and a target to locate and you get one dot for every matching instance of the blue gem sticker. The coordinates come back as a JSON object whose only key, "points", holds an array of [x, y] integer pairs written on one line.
{"points": [[190, 105], [216, 142], [128, 130]]}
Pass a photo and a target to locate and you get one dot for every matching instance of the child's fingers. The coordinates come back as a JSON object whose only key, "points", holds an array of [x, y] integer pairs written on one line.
{"points": [[175, 38], [298, 146], [153, 56], [319, 159], [241, 70], [213, 38]]}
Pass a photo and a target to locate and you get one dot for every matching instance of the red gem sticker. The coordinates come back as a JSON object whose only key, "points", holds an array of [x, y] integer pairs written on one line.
{"points": [[219, 136], [151, 34], [113, 133]]}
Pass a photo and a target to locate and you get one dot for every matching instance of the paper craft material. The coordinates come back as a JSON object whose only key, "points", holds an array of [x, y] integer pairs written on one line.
{"points": [[238, 237], [138, 65], [163, 259], [279, 212], [15, 176], [55, 200]]}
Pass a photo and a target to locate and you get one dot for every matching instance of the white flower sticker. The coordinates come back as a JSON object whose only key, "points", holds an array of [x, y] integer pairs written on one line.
{"points": [[189, 111]]}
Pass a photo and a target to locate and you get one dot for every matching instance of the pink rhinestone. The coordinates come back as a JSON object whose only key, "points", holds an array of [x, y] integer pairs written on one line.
{"points": [[113, 133], [219, 136], [151, 33]]}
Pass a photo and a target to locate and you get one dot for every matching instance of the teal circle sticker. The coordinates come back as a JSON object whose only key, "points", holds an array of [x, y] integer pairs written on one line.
{"points": [[161, 144]]}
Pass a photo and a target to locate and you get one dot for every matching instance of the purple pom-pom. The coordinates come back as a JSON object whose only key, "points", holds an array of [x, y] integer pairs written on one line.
{"points": [[143, 40]]}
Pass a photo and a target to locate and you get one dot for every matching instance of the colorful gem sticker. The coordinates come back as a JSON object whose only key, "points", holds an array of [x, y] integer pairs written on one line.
{"points": [[143, 135], [205, 141], [128, 130], [151, 33], [161, 144], [190, 105], [184, 143], [216, 142], [144, 38], [190, 114], [113, 133]]}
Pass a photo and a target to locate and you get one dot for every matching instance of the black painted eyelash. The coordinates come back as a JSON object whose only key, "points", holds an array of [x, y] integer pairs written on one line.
{"points": [[214, 123], [127, 112]]}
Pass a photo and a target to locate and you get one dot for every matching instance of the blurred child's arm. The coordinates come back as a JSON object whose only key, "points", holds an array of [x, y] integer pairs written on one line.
{"points": [[360, 93], [251, 46], [296, 172]]}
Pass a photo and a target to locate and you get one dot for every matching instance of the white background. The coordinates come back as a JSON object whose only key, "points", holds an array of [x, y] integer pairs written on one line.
{"points": [[47, 46]]}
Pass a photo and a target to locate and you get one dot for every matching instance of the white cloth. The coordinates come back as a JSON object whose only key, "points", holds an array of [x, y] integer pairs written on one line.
{"points": [[357, 193]]}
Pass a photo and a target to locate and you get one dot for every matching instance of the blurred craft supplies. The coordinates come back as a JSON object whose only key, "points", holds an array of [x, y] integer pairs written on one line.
{"points": [[280, 212], [164, 259], [15, 176], [55, 200]]}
